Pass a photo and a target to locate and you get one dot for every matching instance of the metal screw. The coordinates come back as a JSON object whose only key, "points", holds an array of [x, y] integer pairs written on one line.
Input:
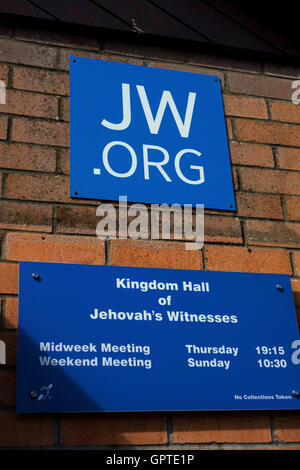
{"points": [[33, 394], [295, 393], [279, 287], [35, 276]]}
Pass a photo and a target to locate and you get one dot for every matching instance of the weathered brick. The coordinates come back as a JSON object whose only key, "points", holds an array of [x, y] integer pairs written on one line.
{"points": [[4, 71], [65, 109], [54, 248], [184, 67], [27, 157], [282, 70], [245, 107], [222, 229], [44, 81], [26, 430], [259, 85], [71, 219], [296, 291], [267, 132], [3, 127], [259, 205], [10, 340], [9, 278], [292, 207], [11, 313], [64, 160], [286, 112], [154, 254], [30, 104], [288, 158], [37, 187], [19, 52], [239, 258], [57, 38], [297, 261], [7, 387], [287, 426], [40, 132], [224, 61], [15, 215], [251, 154], [229, 129], [114, 429], [221, 427], [270, 181], [265, 232]]}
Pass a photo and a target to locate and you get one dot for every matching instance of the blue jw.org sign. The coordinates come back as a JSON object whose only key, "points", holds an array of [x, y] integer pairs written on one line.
{"points": [[152, 135]]}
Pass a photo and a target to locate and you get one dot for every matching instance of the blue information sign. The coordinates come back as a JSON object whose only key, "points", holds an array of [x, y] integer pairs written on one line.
{"points": [[152, 135], [105, 338]]}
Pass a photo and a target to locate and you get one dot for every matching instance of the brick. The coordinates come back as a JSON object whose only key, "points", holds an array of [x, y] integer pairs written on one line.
{"points": [[288, 158], [296, 291], [54, 248], [9, 278], [242, 259], [245, 107], [19, 52], [287, 426], [282, 70], [154, 254], [65, 109], [223, 61], [3, 127], [222, 229], [43, 81], [184, 67], [297, 261], [64, 161], [292, 208], [264, 232], [221, 427], [71, 219], [114, 429], [11, 313], [57, 38], [18, 216], [267, 132], [131, 51], [251, 154], [259, 206], [229, 128], [286, 112], [37, 187], [19, 430], [4, 71], [1, 183], [7, 387], [10, 340], [270, 181], [27, 157], [40, 132], [258, 85], [30, 104]]}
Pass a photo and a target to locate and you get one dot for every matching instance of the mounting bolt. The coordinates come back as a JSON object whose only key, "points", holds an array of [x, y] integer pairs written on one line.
{"points": [[33, 395], [35, 276], [295, 393], [279, 287]]}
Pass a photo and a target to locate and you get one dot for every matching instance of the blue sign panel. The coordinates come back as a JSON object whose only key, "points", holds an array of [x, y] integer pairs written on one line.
{"points": [[152, 135], [104, 338]]}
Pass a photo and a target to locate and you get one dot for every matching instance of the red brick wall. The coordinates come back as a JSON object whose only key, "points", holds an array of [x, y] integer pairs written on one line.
{"points": [[40, 222]]}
